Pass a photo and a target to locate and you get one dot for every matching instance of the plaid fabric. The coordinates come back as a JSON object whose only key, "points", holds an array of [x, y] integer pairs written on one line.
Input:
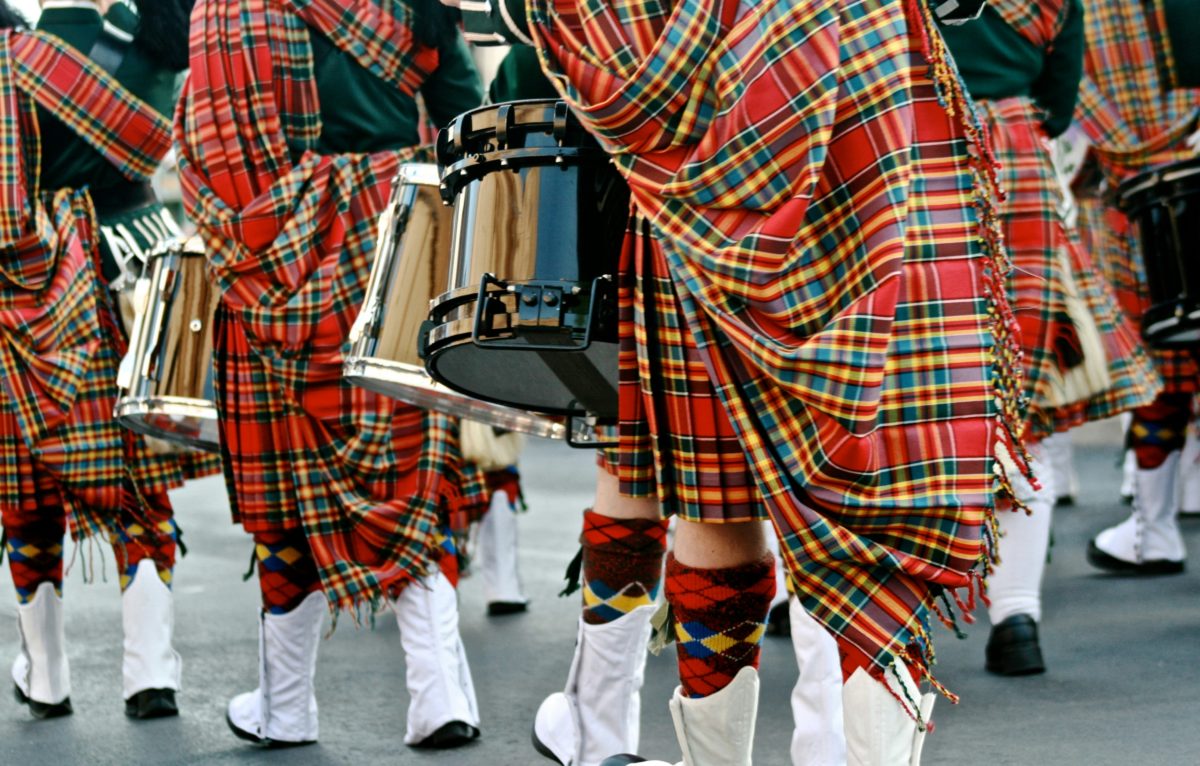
{"points": [[1111, 239], [369, 480], [1125, 106], [1040, 23], [1039, 247], [831, 244], [59, 339], [1134, 122]]}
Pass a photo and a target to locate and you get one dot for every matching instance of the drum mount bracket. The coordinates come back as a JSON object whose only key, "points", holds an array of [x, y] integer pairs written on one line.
{"points": [[540, 306]]}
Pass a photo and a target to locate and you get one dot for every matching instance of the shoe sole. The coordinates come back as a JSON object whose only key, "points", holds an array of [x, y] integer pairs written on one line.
{"points": [[1007, 667], [266, 744], [140, 707], [1102, 560], [42, 710], [451, 735]]}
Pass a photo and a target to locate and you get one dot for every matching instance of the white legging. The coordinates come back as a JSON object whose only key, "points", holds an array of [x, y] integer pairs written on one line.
{"points": [[1015, 586]]}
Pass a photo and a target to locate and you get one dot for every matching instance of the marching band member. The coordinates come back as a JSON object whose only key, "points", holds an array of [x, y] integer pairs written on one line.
{"points": [[814, 330], [1135, 120], [81, 140], [295, 118], [496, 535], [1022, 63]]}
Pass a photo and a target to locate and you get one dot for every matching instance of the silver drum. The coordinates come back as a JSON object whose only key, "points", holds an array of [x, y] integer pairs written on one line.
{"points": [[411, 267], [166, 379]]}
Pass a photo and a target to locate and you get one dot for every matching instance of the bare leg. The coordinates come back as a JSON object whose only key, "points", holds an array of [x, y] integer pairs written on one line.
{"points": [[718, 546], [610, 502]]}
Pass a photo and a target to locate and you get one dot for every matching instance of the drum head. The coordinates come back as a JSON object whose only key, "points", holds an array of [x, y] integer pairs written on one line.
{"points": [[1160, 185], [571, 383]]}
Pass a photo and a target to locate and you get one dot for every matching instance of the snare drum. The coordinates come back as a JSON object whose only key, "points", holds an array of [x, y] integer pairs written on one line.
{"points": [[1165, 204], [412, 259], [166, 382], [529, 318]]}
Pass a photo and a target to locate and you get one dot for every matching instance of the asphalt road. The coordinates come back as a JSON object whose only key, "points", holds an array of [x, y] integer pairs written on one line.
{"points": [[1123, 685]]}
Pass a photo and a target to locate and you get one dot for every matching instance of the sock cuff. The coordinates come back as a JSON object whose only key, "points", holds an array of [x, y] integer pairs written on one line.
{"points": [[630, 536]]}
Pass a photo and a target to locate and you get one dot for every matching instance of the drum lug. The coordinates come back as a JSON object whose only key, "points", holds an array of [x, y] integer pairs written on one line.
{"points": [[582, 433]]}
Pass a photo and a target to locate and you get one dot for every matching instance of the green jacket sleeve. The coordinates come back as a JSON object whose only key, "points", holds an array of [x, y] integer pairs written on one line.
{"points": [[520, 76], [1057, 87], [455, 87], [1183, 32]]}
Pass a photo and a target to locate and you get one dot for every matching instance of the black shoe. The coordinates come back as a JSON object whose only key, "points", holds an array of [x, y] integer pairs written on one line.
{"points": [[270, 744], [499, 608], [779, 621], [152, 703], [1102, 560], [41, 710], [1013, 649], [622, 760], [1065, 501], [453, 734], [1126, 499]]}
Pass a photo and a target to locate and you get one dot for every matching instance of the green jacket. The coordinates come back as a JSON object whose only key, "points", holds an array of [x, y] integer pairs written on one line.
{"points": [[68, 161], [520, 77], [362, 113], [997, 62]]}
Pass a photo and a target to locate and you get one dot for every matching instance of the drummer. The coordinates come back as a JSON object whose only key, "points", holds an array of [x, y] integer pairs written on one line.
{"points": [[1136, 120], [768, 392], [348, 493], [63, 457], [1022, 65]]}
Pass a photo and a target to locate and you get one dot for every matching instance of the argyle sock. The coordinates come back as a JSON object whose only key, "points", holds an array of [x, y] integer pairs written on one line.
{"points": [[1160, 428], [622, 565], [286, 571], [147, 531], [35, 554], [720, 618]]}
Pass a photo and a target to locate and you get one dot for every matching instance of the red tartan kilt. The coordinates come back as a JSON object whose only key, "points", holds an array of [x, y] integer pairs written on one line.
{"points": [[259, 427], [1111, 239], [672, 422]]}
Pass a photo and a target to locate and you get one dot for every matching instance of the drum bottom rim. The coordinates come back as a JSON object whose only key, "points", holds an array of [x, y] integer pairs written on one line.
{"points": [[130, 412], [355, 370]]}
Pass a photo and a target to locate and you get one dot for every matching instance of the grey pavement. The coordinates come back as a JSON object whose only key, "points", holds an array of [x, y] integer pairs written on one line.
{"points": [[1123, 685]]}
